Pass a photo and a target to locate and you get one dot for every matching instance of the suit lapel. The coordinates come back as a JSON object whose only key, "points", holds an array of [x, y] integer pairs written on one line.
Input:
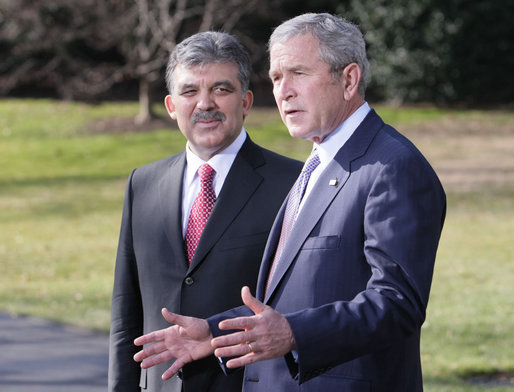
{"points": [[269, 251], [312, 211], [316, 204], [240, 184], [170, 197]]}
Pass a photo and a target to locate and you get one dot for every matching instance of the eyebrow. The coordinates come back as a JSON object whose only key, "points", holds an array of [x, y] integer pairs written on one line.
{"points": [[292, 68], [225, 83], [187, 86]]}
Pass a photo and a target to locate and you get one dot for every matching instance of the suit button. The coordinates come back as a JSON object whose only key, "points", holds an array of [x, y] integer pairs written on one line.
{"points": [[189, 281]]}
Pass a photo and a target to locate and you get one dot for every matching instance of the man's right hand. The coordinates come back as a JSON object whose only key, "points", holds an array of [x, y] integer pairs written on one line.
{"points": [[188, 340]]}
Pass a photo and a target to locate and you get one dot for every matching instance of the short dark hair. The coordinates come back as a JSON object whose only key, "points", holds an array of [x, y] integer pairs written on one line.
{"points": [[207, 48]]}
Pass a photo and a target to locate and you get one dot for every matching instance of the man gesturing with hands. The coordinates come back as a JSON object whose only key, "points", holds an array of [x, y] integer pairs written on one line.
{"points": [[263, 336], [346, 273]]}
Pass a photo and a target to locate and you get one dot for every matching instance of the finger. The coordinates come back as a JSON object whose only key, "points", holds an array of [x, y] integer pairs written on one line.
{"points": [[244, 360], [232, 339], [173, 318], [156, 348], [168, 374], [233, 351], [249, 300], [156, 359], [173, 369], [139, 356], [152, 337], [237, 323]]}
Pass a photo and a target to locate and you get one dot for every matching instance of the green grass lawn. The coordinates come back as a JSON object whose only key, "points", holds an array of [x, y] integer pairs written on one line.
{"points": [[61, 195]]}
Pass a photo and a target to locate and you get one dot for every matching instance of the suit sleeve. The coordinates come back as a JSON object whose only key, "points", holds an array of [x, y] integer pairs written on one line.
{"points": [[241, 311], [126, 311], [402, 219]]}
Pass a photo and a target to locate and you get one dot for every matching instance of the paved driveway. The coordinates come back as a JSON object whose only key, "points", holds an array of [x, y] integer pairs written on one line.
{"points": [[41, 356]]}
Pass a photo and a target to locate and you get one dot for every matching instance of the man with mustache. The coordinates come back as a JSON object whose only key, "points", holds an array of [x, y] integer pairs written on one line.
{"points": [[195, 224]]}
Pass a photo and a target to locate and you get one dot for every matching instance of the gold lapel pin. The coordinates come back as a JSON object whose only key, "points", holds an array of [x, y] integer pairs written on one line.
{"points": [[333, 182]]}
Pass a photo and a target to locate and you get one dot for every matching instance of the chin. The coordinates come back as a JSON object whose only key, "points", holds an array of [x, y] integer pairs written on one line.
{"points": [[297, 133]]}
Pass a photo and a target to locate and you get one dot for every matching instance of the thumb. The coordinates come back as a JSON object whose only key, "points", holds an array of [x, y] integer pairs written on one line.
{"points": [[170, 317], [249, 300]]}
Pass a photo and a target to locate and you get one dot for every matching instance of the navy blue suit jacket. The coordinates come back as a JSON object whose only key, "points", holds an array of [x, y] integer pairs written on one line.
{"points": [[355, 275]]}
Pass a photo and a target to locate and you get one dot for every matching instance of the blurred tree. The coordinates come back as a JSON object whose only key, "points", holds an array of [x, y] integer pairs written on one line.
{"points": [[407, 46], [437, 50], [54, 44], [482, 51], [422, 51], [147, 30], [83, 48]]}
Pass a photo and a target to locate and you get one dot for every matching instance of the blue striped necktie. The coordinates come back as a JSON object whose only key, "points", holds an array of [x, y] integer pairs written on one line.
{"points": [[292, 207]]}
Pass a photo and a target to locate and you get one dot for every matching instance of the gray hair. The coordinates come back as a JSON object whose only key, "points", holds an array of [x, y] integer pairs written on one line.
{"points": [[207, 48], [340, 42]]}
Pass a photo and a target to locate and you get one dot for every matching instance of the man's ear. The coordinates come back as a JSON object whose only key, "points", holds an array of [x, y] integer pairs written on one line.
{"points": [[351, 77], [170, 107], [247, 102]]}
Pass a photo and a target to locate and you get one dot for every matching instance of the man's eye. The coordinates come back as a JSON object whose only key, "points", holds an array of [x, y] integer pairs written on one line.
{"points": [[188, 92], [222, 90]]}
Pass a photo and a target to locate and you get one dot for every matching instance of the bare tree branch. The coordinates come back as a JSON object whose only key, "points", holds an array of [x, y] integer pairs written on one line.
{"points": [[84, 48]]}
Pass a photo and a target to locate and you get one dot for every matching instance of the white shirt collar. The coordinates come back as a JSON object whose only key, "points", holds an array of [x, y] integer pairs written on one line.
{"points": [[221, 162], [328, 149]]}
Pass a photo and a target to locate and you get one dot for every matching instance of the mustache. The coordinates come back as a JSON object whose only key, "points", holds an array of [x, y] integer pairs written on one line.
{"points": [[207, 115]]}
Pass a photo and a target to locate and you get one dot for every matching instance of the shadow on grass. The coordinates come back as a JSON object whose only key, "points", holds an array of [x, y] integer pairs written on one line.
{"points": [[492, 378]]}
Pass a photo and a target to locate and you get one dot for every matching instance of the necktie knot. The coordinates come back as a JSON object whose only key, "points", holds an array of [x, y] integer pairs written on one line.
{"points": [[310, 165], [312, 162], [206, 173]]}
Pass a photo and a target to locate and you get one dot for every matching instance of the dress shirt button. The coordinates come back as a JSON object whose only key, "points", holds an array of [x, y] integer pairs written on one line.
{"points": [[189, 281]]}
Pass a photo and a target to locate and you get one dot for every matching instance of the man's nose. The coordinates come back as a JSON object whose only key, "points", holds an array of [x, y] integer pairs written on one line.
{"points": [[284, 90], [205, 101]]}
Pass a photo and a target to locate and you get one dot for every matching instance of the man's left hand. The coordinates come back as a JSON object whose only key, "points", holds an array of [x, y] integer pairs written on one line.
{"points": [[265, 335]]}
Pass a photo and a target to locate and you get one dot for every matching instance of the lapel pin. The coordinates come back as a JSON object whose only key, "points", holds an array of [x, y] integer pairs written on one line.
{"points": [[333, 182]]}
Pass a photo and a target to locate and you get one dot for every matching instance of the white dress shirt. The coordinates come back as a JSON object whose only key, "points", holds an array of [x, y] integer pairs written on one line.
{"points": [[329, 147], [221, 163]]}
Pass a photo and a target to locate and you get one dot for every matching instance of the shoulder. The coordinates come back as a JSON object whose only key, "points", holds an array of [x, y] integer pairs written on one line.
{"points": [[164, 162], [398, 147], [377, 148], [392, 152], [273, 158], [157, 168], [384, 142], [259, 156]]}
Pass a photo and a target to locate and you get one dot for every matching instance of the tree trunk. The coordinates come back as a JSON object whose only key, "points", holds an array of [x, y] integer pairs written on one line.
{"points": [[145, 103]]}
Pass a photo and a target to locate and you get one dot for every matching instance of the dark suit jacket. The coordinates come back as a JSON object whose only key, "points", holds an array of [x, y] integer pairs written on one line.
{"points": [[356, 271], [152, 269]]}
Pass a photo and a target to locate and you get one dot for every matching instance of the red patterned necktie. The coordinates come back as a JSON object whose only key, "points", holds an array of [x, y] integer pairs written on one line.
{"points": [[293, 204], [201, 209]]}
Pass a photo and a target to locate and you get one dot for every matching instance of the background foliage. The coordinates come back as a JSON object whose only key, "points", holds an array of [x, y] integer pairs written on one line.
{"points": [[440, 51]]}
